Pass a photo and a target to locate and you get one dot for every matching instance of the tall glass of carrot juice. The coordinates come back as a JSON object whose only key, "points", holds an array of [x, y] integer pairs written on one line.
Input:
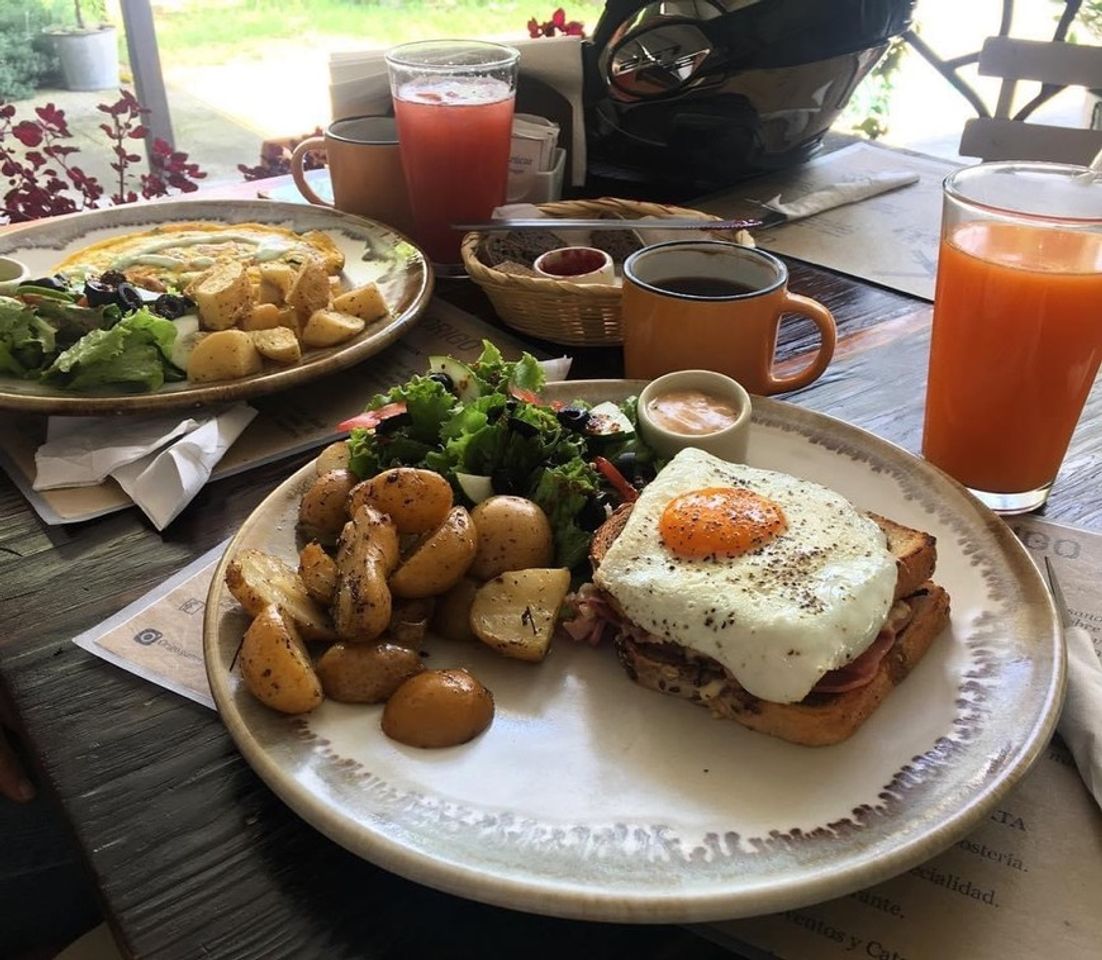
{"points": [[453, 102], [1017, 331]]}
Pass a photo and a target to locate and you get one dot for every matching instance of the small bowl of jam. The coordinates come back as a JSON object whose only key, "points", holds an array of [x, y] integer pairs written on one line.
{"points": [[696, 408]]}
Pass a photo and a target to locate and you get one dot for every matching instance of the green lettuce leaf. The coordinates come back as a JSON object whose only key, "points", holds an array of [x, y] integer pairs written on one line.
{"points": [[562, 492], [133, 354], [27, 342]]}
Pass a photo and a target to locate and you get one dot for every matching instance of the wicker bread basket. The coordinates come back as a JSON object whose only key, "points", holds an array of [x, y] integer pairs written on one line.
{"points": [[557, 310]]}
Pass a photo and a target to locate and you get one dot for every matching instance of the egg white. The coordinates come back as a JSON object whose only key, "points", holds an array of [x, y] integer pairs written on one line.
{"points": [[777, 618]]}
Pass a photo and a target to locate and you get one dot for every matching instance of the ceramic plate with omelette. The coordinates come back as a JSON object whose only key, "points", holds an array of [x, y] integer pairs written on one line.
{"points": [[237, 262]]}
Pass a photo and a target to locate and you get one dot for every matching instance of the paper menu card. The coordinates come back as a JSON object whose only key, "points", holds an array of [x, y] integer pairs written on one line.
{"points": [[905, 223], [288, 423], [1024, 885], [1027, 884]]}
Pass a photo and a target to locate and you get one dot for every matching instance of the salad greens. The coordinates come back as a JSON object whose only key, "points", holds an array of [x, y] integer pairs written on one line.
{"points": [[501, 430], [47, 335]]}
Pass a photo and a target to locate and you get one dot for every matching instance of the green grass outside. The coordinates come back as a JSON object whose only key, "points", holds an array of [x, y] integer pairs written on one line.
{"points": [[210, 31]]}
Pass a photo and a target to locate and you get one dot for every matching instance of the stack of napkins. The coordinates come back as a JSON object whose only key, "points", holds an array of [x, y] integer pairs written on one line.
{"points": [[535, 164], [160, 461], [358, 87]]}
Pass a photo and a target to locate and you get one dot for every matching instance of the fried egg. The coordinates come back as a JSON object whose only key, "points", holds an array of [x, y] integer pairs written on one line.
{"points": [[779, 579]]}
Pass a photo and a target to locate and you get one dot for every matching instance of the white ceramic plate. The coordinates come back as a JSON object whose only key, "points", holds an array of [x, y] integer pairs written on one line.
{"points": [[591, 797], [372, 252]]}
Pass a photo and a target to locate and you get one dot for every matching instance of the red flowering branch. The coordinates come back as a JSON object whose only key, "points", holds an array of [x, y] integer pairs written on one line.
{"points": [[557, 24], [43, 180]]}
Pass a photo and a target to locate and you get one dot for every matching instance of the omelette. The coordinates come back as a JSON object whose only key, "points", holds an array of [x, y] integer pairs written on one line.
{"points": [[170, 256]]}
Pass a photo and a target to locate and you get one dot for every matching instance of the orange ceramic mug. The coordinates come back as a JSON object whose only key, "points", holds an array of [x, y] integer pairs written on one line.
{"points": [[365, 168], [713, 305]]}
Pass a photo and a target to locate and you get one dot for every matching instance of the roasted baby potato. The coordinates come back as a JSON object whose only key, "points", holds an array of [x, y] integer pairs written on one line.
{"points": [[257, 580], [318, 572], [515, 613], [367, 554], [513, 534], [438, 708], [223, 296], [326, 328], [275, 665], [366, 672], [323, 510], [440, 560], [310, 290], [333, 457], [267, 316], [364, 302], [417, 500], [224, 355], [452, 619], [276, 280], [278, 344], [409, 621]]}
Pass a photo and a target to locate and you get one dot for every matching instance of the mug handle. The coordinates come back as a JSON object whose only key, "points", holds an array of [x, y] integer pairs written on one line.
{"points": [[813, 310], [311, 143]]}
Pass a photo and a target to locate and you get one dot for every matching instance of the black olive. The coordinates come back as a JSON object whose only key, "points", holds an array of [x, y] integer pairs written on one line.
{"points": [[98, 293], [128, 297], [593, 514], [502, 482], [626, 464], [510, 405], [522, 427], [56, 282], [444, 380], [391, 424], [573, 418], [172, 307], [112, 278]]}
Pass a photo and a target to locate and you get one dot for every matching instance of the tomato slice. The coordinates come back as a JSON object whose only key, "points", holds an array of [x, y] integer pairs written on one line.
{"points": [[370, 419], [605, 468], [519, 393]]}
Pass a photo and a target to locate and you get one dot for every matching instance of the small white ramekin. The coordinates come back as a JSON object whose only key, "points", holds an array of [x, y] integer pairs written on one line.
{"points": [[729, 443]]}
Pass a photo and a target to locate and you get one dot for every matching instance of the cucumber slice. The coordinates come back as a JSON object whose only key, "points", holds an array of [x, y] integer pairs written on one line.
{"points": [[465, 385], [476, 488], [608, 425], [187, 336]]}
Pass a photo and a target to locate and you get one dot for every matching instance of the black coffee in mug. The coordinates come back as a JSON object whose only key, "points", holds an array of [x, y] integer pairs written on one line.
{"points": [[705, 286]]}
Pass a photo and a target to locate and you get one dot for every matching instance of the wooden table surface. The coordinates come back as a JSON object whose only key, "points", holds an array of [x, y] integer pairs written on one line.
{"points": [[192, 855]]}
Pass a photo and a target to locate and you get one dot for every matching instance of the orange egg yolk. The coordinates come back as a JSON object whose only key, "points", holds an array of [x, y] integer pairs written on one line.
{"points": [[719, 521]]}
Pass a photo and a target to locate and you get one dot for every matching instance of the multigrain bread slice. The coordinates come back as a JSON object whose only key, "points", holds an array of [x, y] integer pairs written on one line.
{"points": [[919, 616]]}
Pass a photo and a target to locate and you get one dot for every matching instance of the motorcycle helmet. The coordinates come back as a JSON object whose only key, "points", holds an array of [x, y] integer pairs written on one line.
{"points": [[688, 96]]}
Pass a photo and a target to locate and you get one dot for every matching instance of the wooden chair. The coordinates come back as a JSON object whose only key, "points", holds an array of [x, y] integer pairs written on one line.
{"points": [[1007, 137]]}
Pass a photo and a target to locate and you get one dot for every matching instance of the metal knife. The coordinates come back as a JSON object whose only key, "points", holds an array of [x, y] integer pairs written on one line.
{"points": [[775, 212]]}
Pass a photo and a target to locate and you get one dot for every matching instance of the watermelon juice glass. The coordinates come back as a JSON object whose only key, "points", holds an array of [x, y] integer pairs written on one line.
{"points": [[1017, 331], [453, 101]]}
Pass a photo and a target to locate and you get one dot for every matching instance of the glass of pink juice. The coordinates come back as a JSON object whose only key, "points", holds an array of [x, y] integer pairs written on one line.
{"points": [[453, 101]]}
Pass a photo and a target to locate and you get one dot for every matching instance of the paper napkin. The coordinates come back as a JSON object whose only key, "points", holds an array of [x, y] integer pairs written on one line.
{"points": [[1081, 721], [161, 462]]}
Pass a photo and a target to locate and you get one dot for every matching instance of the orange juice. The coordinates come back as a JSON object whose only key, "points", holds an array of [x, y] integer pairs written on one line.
{"points": [[455, 137], [1017, 340]]}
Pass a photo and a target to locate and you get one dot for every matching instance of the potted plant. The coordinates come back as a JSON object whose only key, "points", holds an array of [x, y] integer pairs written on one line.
{"points": [[89, 51]]}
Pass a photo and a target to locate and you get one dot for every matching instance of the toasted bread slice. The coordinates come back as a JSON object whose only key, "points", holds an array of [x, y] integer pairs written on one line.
{"points": [[819, 719], [915, 552]]}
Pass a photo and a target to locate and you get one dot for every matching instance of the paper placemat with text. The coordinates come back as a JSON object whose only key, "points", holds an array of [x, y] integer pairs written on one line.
{"points": [[1024, 885], [288, 423]]}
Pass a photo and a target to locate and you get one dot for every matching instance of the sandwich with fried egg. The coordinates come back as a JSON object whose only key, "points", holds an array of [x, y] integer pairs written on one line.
{"points": [[769, 599]]}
